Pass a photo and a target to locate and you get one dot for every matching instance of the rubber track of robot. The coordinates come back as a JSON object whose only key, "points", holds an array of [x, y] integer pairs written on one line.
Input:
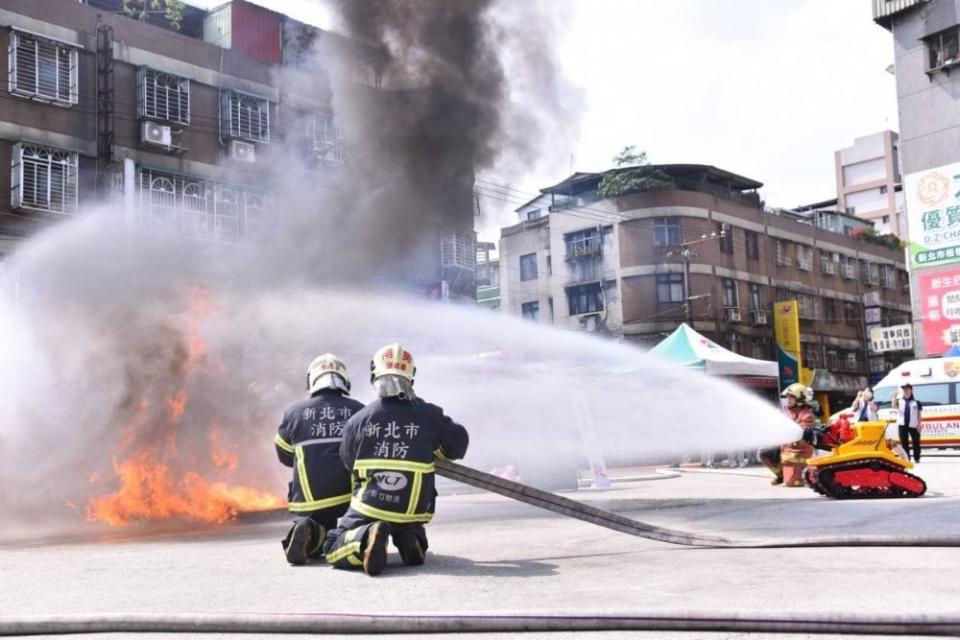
{"points": [[574, 509], [827, 484]]}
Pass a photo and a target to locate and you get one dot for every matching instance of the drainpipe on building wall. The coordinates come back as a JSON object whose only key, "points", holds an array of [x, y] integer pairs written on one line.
{"points": [[865, 337]]}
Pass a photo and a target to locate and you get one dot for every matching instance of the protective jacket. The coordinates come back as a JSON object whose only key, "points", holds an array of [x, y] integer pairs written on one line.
{"points": [[309, 441], [391, 446]]}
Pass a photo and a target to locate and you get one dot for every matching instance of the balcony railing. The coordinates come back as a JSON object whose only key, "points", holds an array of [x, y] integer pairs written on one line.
{"points": [[581, 248]]}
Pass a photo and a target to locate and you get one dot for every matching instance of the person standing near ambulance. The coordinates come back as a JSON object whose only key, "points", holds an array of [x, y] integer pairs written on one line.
{"points": [[391, 446], [909, 411], [309, 441]]}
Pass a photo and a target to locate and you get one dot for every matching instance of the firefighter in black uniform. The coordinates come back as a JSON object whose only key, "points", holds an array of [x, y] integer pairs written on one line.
{"points": [[309, 441], [391, 446]]}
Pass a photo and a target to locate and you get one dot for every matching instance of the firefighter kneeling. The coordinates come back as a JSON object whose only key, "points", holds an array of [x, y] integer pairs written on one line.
{"points": [[391, 446], [309, 440], [788, 462]]}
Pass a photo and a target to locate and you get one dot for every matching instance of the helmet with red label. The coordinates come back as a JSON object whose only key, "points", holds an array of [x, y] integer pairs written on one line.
{"points": [[327, 372], [392, 371]]}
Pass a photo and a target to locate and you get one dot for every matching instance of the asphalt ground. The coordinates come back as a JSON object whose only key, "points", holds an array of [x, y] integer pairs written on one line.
{"points": [[488, 553]]}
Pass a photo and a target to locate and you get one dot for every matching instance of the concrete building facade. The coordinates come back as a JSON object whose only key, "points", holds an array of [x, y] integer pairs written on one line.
{"points": [[613, 266], [182, 125], [926, 46], [869, 181]]}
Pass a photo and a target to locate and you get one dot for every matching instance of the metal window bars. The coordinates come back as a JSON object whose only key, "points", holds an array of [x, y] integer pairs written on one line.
{"points": [[325, 138], [42, 69], [584, 244], [44, 179], [163, 96], [199, 209], [245, 117]]}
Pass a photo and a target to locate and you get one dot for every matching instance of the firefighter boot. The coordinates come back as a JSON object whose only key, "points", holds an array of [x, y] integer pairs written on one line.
{"points": [[375, 554], [412, 549], [299, 541]]}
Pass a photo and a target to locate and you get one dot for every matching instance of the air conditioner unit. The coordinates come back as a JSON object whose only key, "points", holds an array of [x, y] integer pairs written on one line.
{"points": [[760, 318], [156, 134], [829, 268], [243, 151], [848, 272], [734, 314]]}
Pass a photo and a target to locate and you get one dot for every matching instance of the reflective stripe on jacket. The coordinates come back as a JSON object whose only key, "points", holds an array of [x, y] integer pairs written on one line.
{"points": [[391, 446], [309, 441]]}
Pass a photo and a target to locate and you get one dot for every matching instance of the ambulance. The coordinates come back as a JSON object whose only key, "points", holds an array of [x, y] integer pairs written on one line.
{"points": [[936, 384]]}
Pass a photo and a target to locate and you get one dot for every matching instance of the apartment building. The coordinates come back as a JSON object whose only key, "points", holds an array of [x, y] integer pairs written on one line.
{"points": [[869, 181], [617, 266], [182, 125], [926, 55]]}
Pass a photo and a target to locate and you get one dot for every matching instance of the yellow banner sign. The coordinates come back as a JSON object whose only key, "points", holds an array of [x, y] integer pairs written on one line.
{"points": [[786, 330]]}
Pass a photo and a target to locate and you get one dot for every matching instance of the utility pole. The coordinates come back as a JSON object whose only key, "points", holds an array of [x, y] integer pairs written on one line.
{"points": [[684, 251]]}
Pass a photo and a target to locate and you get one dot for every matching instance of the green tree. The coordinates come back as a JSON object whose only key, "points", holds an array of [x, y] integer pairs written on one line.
{"points": [[633, 174], [142, 10]]}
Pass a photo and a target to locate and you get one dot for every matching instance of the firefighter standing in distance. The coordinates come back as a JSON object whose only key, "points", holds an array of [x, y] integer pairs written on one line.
{"points": [[391, 446], [309, 441]]}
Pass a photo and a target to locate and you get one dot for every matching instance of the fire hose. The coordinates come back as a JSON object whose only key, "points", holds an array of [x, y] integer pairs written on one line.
{"points": [[533, 621], [580, 511], [484, 622]]}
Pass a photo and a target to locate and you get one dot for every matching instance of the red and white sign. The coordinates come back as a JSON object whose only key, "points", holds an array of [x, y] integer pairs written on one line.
{"points": [[940, 310]]}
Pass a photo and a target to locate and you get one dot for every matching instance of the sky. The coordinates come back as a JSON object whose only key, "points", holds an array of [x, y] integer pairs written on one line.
{"points": [[767, 89]]}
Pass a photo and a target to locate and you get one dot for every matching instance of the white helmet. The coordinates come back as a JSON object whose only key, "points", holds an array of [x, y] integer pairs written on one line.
{"points": [[327, 372], [392, 371]]}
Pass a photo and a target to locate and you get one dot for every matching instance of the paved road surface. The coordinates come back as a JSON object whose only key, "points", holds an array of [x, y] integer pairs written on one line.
{"points": [[489, 553]]}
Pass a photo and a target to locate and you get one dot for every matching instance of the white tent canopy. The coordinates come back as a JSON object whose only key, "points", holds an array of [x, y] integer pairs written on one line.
{"points": [[691, 349]]}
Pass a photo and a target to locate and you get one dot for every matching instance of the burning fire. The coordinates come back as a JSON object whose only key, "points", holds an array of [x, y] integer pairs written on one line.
{"points": [[149, 491], [155, 481]]}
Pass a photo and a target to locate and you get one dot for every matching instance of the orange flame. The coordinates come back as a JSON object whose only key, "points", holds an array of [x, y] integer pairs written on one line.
{"points": [[150, 485], [177, 404], [221, 457], [148, 491]]}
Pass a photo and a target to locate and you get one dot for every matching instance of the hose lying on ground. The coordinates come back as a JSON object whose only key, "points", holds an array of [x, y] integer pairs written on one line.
{"points": [[479, 622], [610, 520]]}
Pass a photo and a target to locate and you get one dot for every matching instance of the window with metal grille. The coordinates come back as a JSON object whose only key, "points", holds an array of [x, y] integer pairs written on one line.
{"points": [[458, 250], [725, 237], [42, 69], [829, 310], [245, 117], [586, 243], [850, 313], [199, 209], [163, 96], [756, 300], [888, 276], [43, 179], [780, 252], [753, 244], [804, 257], [530, 310], [586, 298], [670, 287], [666, 232], [943, 49], [730, 295], [528, 267], [325, 138]]}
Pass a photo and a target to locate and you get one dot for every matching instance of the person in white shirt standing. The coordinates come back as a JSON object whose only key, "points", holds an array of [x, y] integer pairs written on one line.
{"points": [[909, 410]]}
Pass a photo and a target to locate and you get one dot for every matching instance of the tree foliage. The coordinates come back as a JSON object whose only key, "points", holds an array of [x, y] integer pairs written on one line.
{"points": [[633, 174], [869, 234], [142, 10]]}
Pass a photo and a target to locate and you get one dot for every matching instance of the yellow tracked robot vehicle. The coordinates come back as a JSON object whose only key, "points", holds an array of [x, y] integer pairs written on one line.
{"points": [[860, 464]]}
